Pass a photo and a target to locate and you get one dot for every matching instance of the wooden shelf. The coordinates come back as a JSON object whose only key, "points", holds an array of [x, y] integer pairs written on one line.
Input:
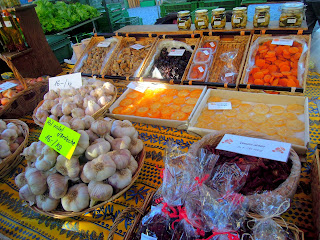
{"points": [[21, 8], [13, 55]]}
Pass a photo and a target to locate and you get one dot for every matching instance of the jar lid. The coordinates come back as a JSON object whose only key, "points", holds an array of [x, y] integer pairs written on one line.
{"points": [[202, 11], [294, 5], [183, 13], [218, 10], [263, 7], [240, 9]]}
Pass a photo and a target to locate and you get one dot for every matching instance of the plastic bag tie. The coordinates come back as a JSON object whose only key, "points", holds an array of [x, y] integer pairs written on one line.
{"points": [[161, 171], [181, 214], [277, 214], [201, 180], [200, 232], [232, 235]]}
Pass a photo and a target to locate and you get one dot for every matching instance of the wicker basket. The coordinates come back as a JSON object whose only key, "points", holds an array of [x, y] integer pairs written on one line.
{"points": [[100, 113], [14, 159], [315, 187], [63, 214], [286, 189]]}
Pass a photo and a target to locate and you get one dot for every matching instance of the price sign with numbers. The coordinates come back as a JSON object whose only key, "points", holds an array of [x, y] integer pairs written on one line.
{"points": [[65, 81], [59, 137]]}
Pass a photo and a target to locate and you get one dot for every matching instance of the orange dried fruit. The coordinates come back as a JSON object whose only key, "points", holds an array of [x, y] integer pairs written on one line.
{"points": [[166, 113], [126, 102], [166, 99], [295, 108], [252, 126], [258, 118], [261, 108], [268, 129], [235, 123], [192, 101], [258, 82], [285, 132], [277, 110], [220, 117], [155, 105], [174, 107], [179, 116], [258, 75], [214, 99], [142, 111], [289, 116], [179, 101], [230, 112], [243, 116], [153, 113], [235, 102], [195, 93], [183, 93], [296, 141], [187, 108], [117, 110], [276, 120], [133, 94], [171, 92], [128, 110], [296, 125], [245, 108]]}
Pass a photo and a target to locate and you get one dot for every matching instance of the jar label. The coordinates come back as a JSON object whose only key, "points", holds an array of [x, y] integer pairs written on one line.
{"points": [[217, 23], [219, 105], [201, 69], [137, 46], [237, 20], [229, 74], [261, 20], [176, 52], [212, 44], [182, 24], [7, 24], [291, 20], [206, 52], [104, 44], [200, 23], [282, 41]]}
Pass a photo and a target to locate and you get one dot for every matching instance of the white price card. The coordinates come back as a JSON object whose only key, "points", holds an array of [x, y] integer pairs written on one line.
{"points": [[212, 44], [176, 52], [291, 20], [182, 24], [206, 52], [137, 46], [229, 74], [140, 87], [65, 81], [282, 41], [8, 24], [261, 20], [6, 86], [201, 69], [219, 106], [200, 23], [103, 44], [256, 147], [237, 20], [217, 23], [146, 237]]}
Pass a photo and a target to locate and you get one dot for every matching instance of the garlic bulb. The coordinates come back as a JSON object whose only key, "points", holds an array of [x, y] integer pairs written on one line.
{"points": [[83, 90], [99, 168], [92, 136], [120, 157], [3, 125], [47, 203], [97, 84], [58, 185], [67, 107], [26, 194], [41, 115], [108, 88], [65, 118], [9, 135], [122, 128], [47, 104], [83, 143], [136, 146], [50, 95], [104, 100], [68, 92], [87, 99], [33, 151], [76, 199], [4, 149], [77, 124], [54, 117], [83, 177], [20, 180], [97, 93], [13, 147], [15, 127], [57, 110], [95, 150], [120, 179], [66, 124], [88, 120], [19, 140], [133, 165], [101, 127], [77, 113], [78, 99], [118, 143], [99, 191], [92, 108], [47, 159], [70, 168], [37, 181]]}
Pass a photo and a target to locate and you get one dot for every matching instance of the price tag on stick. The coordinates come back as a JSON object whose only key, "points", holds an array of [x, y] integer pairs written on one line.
{"points": [[176, 52], [6, 86], [65, 81], [59, 137]]}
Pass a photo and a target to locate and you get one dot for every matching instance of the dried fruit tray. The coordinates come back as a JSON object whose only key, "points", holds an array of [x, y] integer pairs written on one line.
{"points": [[161, 104], [283, 117], [281, 63], [315, 186]]}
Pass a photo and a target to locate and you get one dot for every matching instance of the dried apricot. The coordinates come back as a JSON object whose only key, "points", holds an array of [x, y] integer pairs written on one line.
{"points": [[192, 101], [179, 116], [117, 110], [195, 93], [187, 108], [183, 93], [126, 102]]}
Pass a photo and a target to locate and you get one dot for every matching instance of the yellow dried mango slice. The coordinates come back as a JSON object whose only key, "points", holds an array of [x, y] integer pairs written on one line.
{"points": [[261, 108], [230, 113], [259, 118], [296, 141], [245, 108], [277, 120], [235, 103], [277, 110], [295, 108], [296, 125], [126, 102], [214, 99]]}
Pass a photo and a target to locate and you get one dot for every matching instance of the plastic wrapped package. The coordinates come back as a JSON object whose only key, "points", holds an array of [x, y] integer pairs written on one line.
{"points": [[277, 61], [229, 72]]}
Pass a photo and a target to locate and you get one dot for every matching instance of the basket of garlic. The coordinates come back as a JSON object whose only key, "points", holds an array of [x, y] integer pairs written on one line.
{"points": [[68, 105], [13, 139], [105, 164]]}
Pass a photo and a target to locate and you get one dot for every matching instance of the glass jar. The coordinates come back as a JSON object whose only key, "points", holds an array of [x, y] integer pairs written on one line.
{"points": [[202, 20], [218, 19], [239, 17], [184, 20], [261, 17], [291, 15]]}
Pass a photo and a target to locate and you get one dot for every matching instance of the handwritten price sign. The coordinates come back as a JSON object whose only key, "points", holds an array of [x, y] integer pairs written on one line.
{"points": [[59, 137], [65, 81], [6, 86]]}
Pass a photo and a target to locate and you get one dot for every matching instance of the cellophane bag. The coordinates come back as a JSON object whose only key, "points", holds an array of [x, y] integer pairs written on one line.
{"points": [[269, 207], [229, 72]]}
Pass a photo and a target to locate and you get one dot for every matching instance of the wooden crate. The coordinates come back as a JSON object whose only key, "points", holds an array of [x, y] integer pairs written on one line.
{"points": [[149, 61], [283, 100], [227, 43], [315, 187], [243, 86]]}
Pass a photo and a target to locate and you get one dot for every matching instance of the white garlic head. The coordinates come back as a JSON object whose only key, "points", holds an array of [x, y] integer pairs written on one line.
{"points": [[101, 127], [77, 124], [41, 115], [51, 95], [120, 157], [136, 146], [76, 199], [47, 203], [99, 168], [58, 185], [122, 128], [99, 191], [26, 194], [97, 149], [4, 149], [20, 180], [83, 143], [88, 120], [67, 107], [66, 119], [37, 181], [77, 113], [118, 143], [9, 135], [120, 179], [47, 104], [47, 159], [133, 165], [66, 167], [57, 110]]}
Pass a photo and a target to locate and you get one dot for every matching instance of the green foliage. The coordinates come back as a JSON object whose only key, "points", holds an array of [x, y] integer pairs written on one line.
{"points": [[55, 17]]}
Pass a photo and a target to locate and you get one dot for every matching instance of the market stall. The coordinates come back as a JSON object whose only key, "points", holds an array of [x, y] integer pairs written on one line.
{"points": [[127, 114]]}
